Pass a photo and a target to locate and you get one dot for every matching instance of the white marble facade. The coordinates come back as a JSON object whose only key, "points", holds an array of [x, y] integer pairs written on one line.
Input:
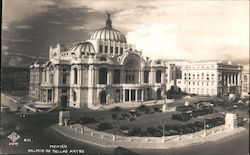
{"points": [[211, 78], [104, 69]]}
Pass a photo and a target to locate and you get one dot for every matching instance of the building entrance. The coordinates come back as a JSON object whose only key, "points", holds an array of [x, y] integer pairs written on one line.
{"points": [[103, 99]]}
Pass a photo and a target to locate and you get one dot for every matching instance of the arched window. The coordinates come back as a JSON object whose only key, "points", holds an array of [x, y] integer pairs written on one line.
{"points": [[131, 71], [116, 76], [75, 75], [103, 76], [245, 78], [146, 76], [103, 59], [74, 96], [158, 76], [45, 75]]}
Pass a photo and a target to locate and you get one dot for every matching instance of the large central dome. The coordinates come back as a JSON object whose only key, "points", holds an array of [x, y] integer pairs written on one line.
{"points": [[108, 33]]}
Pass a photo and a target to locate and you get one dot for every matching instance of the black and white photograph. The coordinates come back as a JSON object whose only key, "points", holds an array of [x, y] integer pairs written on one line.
{"points": [[125, 77]]}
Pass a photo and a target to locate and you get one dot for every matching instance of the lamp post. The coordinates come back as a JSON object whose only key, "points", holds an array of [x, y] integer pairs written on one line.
{"points": [[204, 126], [163, 129]]}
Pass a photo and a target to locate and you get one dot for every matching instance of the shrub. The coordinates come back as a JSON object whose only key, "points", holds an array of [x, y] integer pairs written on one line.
{"points": [[114, 116], [117, 108], [142, 108], [123, 127], [86, 120], [130, 119], [104, 126], [156, 109]]}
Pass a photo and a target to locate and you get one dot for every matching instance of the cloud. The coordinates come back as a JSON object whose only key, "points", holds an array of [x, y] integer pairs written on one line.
{"points": [[165, 29], [56, 22], [22, 60], [16, 10], [4, 47], [156, 38], [24, 27], [77, 28], [18, 40], [5, 26]]}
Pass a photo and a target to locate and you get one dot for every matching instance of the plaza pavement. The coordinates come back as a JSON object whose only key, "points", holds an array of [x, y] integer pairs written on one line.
{"points": [[103, 139]]}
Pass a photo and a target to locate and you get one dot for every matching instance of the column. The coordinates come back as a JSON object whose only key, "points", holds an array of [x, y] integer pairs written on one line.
{"points": [[129, 96], [123, 91], [109, 76], [136, 94], [142, 95], [96, 76], [231, 79], [162, 77], [239, 79], [121, 95]]}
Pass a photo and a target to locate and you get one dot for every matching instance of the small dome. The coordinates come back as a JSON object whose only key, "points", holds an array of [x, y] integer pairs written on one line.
{"points": [[85, 47], [108, 33]]}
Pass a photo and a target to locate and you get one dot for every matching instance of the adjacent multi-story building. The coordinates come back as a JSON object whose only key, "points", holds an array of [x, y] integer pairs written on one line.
{"points": [[210, 78], [245, 81], [103, 69]]}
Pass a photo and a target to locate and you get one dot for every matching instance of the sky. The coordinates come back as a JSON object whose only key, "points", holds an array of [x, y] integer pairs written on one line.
{"points": [[170, 29]]}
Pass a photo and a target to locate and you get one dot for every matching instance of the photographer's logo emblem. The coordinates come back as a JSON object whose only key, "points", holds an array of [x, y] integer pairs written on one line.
{"points": [[14, 137]]}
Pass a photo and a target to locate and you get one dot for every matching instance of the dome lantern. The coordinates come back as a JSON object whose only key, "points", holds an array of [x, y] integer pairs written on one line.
{"points": [[108, 33]]}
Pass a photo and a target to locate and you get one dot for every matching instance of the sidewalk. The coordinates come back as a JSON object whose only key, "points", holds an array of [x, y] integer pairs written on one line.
{"points": [[107, 140]]}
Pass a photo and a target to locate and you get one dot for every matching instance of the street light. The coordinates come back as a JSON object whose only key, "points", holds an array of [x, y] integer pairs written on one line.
{"points": [[204, 125], [163, 129]]}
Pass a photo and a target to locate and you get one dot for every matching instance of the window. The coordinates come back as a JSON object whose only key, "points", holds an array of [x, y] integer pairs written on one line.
{"points": [[111, 50], [245, 78], [131, 71], [64, 78], [121, 50], [64, 91], [45, 76], [158, 76], [49, 95], [146, 75], [116, 78], [74, 96], [100, 49], [106, 49], [116, 50], [75, 76], [103, 76]]}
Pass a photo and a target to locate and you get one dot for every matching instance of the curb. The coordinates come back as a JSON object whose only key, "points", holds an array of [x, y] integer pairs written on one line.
{"points": [[113, 145]]}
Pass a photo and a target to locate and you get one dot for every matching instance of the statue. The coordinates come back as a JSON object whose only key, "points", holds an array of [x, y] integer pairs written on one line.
{"points": [[108, 14]]}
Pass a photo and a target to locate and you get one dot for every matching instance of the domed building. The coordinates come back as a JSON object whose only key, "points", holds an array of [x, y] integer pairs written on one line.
{"points": [[104, 69]]}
